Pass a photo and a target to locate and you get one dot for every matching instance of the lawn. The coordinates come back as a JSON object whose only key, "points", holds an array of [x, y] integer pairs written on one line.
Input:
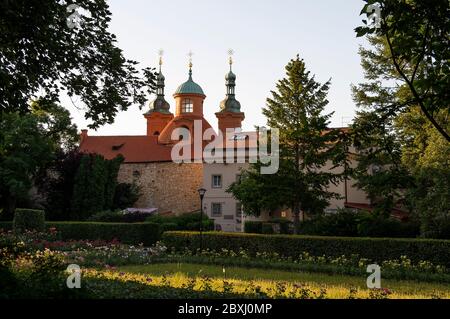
{"points": [[337, 286]]}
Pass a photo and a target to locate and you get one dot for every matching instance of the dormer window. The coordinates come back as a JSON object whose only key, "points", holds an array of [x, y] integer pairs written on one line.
{"points": [[187, 106]]}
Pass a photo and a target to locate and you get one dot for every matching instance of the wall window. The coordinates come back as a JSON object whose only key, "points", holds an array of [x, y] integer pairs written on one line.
{"points": [[216, 209], [216, 181], [230, 217], [187, 106], [238, 178]]}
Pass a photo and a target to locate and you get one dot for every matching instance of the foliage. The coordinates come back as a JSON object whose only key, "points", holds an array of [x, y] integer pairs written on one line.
{"points": [[29, 219], [277, 225], [376, 249], [125, 195], [94, 185], [430, 199], [128, 233], [51, 57], [24, 149], [187, 221], [251, 226], [119, 217], [416, 55], [57, 184], [362, 224], [306, 146]]}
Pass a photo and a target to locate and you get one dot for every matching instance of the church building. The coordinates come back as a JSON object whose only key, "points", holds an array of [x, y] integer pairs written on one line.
{"points": [[164, 184]]}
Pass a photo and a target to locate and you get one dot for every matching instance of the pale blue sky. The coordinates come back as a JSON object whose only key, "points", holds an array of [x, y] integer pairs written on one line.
{"points": [[264, 34]]}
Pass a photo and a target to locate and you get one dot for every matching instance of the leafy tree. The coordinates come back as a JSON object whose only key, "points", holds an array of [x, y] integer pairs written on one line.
{"points": [[401, 129], [42, 55], [25, 147], [416, 42], [306, 146]]}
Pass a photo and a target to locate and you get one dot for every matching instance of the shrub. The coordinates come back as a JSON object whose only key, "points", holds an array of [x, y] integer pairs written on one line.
{"points": [[6, 225], [28, 219], [136, 233], [350, 224], [253, 227], [189, 221], [267, 228], [375, 249], [119, 217], [126, 195]]}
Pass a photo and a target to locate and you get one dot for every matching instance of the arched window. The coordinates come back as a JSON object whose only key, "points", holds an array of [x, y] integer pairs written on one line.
{"points": [[187, 106]]}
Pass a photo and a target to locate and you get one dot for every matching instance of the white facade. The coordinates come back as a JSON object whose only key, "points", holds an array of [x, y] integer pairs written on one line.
{"points": [[226, 211]]}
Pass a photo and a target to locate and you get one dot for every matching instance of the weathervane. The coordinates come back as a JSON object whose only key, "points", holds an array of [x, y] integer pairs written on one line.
{"points": [[160, 54], [230, 59], [190, 54]]}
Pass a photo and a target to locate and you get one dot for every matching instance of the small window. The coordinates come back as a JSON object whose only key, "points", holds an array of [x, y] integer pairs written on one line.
{"points": [[216, 181], [238, 178], [230, 217], [283, 214], [187, 106], [216, 209]]}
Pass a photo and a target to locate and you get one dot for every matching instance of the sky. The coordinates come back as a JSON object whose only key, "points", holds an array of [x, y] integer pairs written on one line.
{"points": [[264, 36]]}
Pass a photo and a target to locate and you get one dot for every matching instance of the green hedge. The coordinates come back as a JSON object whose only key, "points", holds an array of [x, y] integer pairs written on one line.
{"points": [[375, 249], [6, 226], [134, 234], [28, 219]]}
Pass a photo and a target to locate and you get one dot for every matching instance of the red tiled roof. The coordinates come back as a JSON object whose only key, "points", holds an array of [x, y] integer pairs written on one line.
{"points": [[135, 149]]}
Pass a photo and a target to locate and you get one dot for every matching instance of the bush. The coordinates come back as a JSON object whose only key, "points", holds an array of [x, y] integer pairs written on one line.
{"points": [[6, 225], [126, 195], [134, 234], [267, 228], [254, 227], [350, 224], [189, 221], [28, 219], [374, 249], [119, 217]]}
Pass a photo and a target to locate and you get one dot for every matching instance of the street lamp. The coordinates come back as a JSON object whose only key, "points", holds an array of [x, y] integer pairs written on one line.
{"points": [[201, 192]]}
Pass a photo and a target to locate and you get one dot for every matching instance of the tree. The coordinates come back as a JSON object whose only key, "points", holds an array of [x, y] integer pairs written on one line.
{"points": [[415, 37], [25, 147], [306, 146], [94, 185], [42, 53]]}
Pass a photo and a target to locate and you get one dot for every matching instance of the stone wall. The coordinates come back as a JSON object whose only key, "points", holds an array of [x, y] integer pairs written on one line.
{"points": [[165, 185]]}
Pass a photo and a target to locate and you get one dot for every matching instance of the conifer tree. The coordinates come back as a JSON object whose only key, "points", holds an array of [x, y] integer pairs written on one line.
{"points": [[307, 145]]}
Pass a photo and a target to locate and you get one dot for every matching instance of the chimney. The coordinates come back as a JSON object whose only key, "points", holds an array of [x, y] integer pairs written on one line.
{"points": [[83, 135]]}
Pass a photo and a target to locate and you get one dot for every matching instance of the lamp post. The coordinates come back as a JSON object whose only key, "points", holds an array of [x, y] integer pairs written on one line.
{"points": [[201, 192]]}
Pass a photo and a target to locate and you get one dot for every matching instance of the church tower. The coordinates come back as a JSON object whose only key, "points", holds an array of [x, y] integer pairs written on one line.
{"points": [[159, 114], [189, 98], [230, 115]]}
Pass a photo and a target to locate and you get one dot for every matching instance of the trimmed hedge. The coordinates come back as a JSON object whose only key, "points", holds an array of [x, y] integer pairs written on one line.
{"points": [[134, 234], [375, 249], [6, 225], [28, 219]]}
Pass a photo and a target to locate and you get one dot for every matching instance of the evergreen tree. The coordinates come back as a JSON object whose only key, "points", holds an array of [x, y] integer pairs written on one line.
{"points": [[307, 145]]}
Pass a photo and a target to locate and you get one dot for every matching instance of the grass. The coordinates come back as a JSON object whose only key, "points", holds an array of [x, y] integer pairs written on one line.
{"points": [[337, 286]]}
